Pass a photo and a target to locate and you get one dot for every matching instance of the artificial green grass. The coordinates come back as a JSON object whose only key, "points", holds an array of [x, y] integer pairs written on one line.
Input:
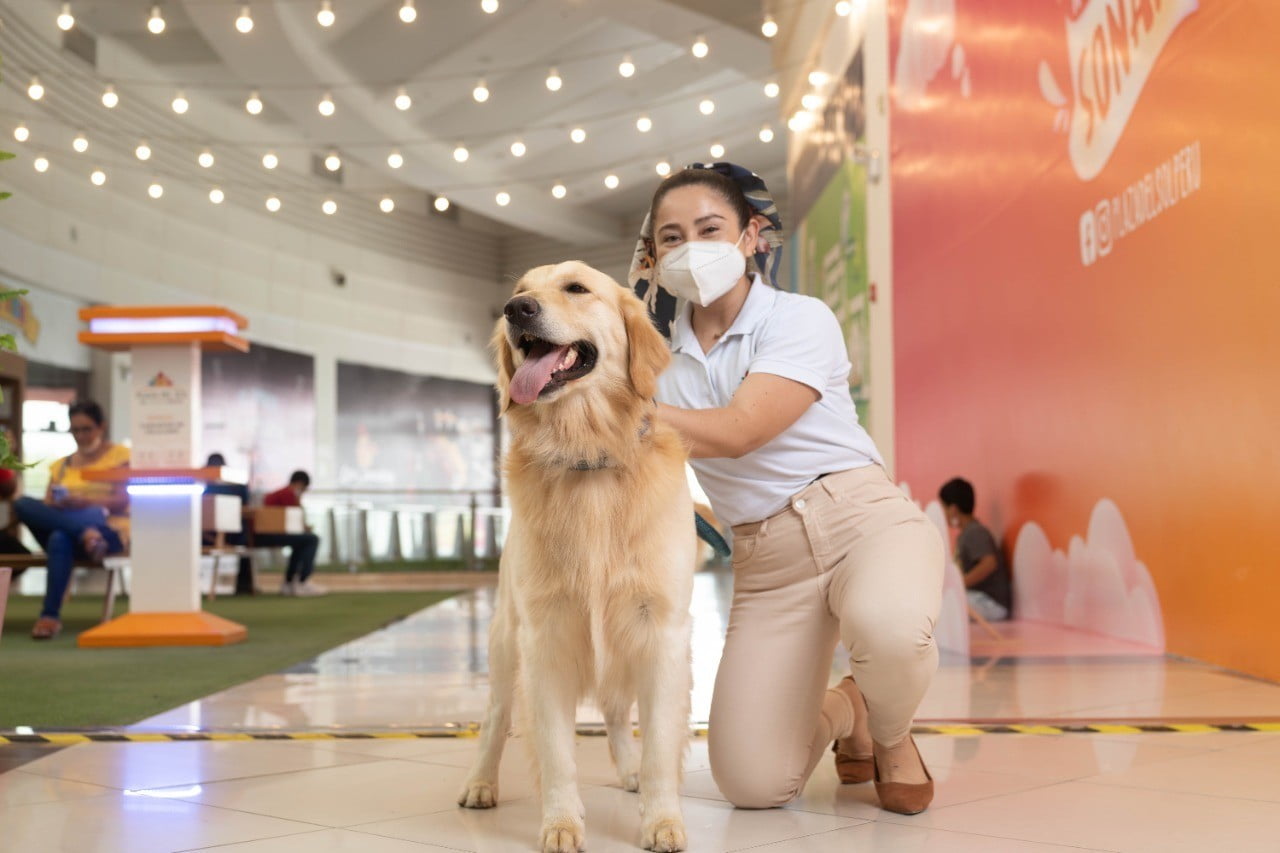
{"points": [[55, 684], [483, 565]]}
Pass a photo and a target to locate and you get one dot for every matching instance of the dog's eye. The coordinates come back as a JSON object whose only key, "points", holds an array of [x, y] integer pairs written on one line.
{"points": [[574, 287]]}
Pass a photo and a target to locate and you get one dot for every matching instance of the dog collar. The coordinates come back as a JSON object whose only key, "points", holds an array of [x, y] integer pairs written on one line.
{"points": [[603, 461]]}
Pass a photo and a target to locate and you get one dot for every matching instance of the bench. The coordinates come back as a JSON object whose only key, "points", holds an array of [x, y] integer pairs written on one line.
{"points": [[113, 565]]}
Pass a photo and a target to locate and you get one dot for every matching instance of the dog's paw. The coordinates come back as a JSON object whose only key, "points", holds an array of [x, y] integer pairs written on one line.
{"points": [[563, 835], [664, 835], [479, 795]]}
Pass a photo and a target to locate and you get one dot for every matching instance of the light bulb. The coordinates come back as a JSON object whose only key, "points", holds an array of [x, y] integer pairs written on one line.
{"points": [[801, 120], [387, 205], [270, 160], [701, 48], [611, 181], [441, 203], [330, 207], [273, 204], [325, 16], [770, 27], [109, 97], [180, 104], [216, 195], [811, 101], [559, 191], [326, 105], [143, 151], [707, 107], [21, 133], [663, 168], [553, 80], [155, 23], [518, 148], [253, 106], [461, 153], [244, 23], [403, 101], [80, 143], [818, 78], [98, 177], [41, 164], [489, 6], [771, 89], [205, 159], [35, 91], [333, 162], [578, 135], [717, 150], [480, 92], [627, 68], [843, 8], [644, 124], [155, 190], [766, 134], [395, 160], [66, 20], [503, 199], [408, 13]]}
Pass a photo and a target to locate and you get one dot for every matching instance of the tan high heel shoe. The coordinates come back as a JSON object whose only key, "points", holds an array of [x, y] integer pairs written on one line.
{"points": [[854, 768], [903, 797]]}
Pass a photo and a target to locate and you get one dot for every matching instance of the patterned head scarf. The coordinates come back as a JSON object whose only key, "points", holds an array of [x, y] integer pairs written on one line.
{"points": [[768, 254]]}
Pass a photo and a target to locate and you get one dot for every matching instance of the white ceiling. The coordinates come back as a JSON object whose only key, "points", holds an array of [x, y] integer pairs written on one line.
{"points": [[364, 59]]}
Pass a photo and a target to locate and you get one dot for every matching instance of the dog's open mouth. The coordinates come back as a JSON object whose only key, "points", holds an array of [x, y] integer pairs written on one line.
{"points": [[547, 367]]}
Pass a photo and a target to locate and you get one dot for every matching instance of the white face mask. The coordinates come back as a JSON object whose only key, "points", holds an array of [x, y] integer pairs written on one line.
{"points": [[702, 271]]}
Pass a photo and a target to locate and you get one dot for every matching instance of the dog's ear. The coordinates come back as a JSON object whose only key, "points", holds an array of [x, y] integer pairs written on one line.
{"points": [[503, 361], [649, 354]]}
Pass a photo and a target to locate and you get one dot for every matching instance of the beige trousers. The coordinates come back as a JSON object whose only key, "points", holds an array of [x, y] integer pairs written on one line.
{"points": [[851, 554]]}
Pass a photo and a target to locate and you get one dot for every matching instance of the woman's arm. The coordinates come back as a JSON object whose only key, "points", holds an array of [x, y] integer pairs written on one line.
{"points": [[761, 409]]}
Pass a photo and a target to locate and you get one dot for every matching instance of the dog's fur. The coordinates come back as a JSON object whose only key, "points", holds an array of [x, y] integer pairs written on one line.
{"points": [[596, 578]]}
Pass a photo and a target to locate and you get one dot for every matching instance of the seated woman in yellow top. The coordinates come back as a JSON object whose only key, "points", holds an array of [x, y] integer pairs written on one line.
{"points": [[78, 517]]}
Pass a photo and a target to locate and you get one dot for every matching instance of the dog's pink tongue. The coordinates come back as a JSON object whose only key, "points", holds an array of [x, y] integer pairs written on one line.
{"points": [[534, 374]]}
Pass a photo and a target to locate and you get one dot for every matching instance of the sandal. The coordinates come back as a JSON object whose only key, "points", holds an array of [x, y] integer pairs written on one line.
{"points": [[46, 628]]}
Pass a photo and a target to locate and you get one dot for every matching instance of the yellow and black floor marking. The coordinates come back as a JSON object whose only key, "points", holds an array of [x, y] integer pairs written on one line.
{"points": [[470, 730]]}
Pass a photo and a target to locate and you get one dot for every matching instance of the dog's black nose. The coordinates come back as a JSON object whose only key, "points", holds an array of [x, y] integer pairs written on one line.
{"points": [[521, 309]]}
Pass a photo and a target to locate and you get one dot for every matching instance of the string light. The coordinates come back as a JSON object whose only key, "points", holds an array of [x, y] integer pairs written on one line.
{"points": [[461, 154], [766, 134], [503, 199], [244, 23], [663, 168], [818, 78], [21, 133], [811, 101], [326, 105], [644, 124], [701, 48], [408, 13], [180, 103], [270, 160], [143, 151], [770, 27], [333, 162], [611, 181], [98, 178], [480, 92], [771, 89], [707, 107], [41, 164], [325, 16], [843, 8], [800, 121], [156, 190], [578, 135], [518, 148], [553, 80], [253, 106], [35, 91], [387, 205], [441, 204], [559, 190], [66, 20], [273, 204], [155, 23], [80, 143], [330, 207], [394, 160], [403, 101], [717, 150], [217, 196], [205, 159], [627, 68], [109, 97], [489, 6]]}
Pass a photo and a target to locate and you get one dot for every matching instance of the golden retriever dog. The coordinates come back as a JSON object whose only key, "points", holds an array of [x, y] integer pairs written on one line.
{"points": [[596, 578]]}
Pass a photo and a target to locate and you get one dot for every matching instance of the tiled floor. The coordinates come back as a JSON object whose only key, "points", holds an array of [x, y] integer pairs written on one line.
{"points": [[1157, 792]]}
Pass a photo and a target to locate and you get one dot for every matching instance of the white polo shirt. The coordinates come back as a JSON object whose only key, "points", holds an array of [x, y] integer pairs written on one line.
{"points": [[788, 335]]}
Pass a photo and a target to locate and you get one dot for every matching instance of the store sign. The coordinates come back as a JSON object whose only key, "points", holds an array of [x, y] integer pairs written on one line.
{"points": [[19, 313], [164, 414]]}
